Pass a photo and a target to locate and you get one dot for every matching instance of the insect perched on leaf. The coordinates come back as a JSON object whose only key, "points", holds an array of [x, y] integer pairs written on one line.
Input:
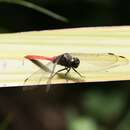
{"points": [[88, 62]]}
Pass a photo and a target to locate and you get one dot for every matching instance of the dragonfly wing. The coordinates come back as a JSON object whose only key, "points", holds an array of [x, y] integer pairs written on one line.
{"points": [[122, 61], [36, 77], [97, 62], [43, 73]]}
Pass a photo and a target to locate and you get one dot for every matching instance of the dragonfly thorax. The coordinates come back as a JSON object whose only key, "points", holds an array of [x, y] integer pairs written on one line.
{"points": [[67, 60]]}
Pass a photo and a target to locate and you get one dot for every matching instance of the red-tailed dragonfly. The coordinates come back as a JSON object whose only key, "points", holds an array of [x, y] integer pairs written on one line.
{"points": [[88, 62]]}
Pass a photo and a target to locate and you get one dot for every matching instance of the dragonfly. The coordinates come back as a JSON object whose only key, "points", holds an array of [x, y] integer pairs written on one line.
{"points": [[88, 62]]}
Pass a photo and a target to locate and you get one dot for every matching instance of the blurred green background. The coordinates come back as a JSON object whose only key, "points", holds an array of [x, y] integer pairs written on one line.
{"points": [[86, 106], [90, 106]]}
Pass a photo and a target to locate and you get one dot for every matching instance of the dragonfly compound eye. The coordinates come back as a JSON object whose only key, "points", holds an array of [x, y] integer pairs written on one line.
{"points": [[75, 62]]}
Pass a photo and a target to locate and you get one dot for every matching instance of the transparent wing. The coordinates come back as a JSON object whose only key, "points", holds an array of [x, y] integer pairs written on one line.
{"points": [[91, 62], [38, 76]]}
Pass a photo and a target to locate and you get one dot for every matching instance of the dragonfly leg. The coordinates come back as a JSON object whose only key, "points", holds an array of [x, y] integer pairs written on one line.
{"points": [[51, 76], [77, 72], [56, 73], [68, 70]]}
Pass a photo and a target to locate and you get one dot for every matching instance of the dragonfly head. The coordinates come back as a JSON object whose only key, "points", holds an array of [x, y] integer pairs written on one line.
{"points": [[75, 62]]}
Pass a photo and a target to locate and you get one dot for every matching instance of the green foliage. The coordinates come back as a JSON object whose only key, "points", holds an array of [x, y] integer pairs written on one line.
{"points": [[104, 106], [4, 124], [101, 109], [83, 124], [125, 124]]}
